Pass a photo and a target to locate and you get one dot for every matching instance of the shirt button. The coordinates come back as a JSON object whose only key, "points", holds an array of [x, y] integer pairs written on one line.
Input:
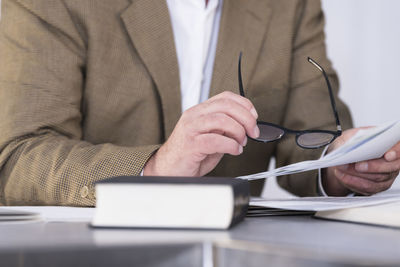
{"points": [[84, 192]]}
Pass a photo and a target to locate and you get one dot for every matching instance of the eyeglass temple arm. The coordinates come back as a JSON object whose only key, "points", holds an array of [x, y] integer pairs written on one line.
{"points": [[240, 75], [333, 103]]}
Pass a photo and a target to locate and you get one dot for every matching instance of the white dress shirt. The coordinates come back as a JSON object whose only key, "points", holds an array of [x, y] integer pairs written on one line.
{"points": [[195, 26]]}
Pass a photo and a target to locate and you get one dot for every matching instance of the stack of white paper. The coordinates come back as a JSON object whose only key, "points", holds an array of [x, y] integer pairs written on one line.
{"points": [[327, 203], [366, 144]]}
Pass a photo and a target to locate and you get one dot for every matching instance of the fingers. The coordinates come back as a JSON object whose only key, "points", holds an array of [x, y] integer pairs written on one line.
{"points": [[236, 111], [377, 166], [222, 124], [377, 177], [361, 185], [239, 108], [210, 162], [393, 153], [368, 177], [214, 143], [246, 103]]}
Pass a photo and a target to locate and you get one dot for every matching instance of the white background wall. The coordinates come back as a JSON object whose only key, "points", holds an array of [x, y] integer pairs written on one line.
{"points": [[363, 38]]}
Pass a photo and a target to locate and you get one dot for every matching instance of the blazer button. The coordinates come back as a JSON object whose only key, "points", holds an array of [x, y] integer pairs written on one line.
{"points": [[84, 192], [92, 193]]}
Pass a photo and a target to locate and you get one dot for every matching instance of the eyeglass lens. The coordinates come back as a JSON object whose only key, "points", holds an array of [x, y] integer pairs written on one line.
{"points": [[312, 140], [269, 133]]}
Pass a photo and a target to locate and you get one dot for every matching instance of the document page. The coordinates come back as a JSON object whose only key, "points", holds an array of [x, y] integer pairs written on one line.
{"points": [[366, 144], [51, 213], [7, 214], [327, 203]]}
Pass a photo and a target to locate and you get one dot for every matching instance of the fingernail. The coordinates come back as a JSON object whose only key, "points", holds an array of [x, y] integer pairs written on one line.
{"points": [[338, 173], [254, 113], [244, 143], [362, 167], [240, 149], [256, 132], [390, 156], [343, 167]]}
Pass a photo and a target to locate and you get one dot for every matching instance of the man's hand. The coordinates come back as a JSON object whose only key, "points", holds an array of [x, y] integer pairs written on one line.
{"points": [[203, 134], [366, 177]]}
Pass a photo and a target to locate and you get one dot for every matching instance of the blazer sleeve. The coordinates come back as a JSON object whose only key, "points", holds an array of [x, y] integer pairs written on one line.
{"points": [[43, 159], [308, 105]]}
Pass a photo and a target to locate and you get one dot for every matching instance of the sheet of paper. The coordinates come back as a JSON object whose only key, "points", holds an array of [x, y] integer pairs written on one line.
{"points": [[327, 203], [365, 145], [56, 213]]}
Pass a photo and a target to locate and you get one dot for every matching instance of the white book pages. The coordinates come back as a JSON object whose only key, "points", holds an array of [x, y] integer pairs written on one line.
{"points": [[364, 145]]}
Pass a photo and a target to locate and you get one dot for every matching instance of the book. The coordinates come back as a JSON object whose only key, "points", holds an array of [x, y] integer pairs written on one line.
{"points": [[387, 214], [170, 202]]}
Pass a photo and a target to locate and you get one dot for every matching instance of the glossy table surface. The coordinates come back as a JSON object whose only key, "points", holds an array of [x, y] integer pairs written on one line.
{"points": [[281, 240]]}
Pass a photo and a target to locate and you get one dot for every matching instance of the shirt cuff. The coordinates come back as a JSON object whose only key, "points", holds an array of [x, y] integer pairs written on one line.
{"points": [[141, 173], [320, 189]]}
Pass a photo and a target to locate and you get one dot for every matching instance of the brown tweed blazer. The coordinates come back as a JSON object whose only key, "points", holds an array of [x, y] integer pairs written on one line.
{"points": [[90, 89]]}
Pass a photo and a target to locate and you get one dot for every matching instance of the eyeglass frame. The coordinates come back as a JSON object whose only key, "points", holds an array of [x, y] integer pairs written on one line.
{"points": [[335, 134]]}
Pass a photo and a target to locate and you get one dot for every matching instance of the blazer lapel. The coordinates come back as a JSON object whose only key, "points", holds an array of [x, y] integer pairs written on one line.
{"points": [[243, 28], [149, 27]]}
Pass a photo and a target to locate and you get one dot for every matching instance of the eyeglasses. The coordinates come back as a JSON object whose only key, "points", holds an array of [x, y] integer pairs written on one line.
{"points": [[310, 139]]}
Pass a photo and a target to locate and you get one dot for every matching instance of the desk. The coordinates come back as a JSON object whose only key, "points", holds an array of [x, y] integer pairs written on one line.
{"points": [[272, 241]]}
